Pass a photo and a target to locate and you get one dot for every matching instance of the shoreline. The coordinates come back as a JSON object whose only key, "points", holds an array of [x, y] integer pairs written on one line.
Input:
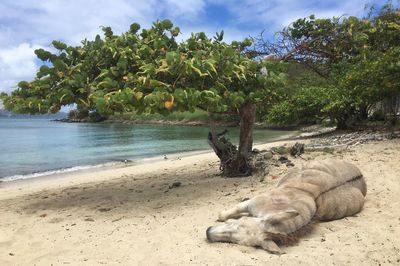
{"points": [[99, 169], [94, 167], [114, 172], [320, 139], [121, 164]]}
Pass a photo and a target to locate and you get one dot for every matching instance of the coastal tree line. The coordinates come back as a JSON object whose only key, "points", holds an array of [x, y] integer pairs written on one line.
{"points": [[338, 69], [344, 69]]}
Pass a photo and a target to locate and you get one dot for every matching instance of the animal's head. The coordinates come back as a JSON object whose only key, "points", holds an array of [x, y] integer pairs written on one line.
{"points": [[251, 231]]}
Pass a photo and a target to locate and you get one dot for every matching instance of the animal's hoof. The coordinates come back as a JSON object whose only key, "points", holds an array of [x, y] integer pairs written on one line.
{"points": [[221, 217]]}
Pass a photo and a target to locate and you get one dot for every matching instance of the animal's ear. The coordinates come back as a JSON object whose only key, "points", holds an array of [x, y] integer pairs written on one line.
{"points": [[278, 217], [271, 247]]}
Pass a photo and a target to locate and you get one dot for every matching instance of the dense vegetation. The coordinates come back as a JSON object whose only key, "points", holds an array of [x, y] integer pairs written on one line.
{"points": [[336, 68], [346, 68]]}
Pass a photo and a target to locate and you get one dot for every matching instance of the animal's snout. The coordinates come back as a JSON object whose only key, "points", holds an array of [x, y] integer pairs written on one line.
{"points": [[208, 234], [220, 233]]}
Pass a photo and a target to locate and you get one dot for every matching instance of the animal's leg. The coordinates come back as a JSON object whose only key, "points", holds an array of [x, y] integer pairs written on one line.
{"points": [[239, 210]]}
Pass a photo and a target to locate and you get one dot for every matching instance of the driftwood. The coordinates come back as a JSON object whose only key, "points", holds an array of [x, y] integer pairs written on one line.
{"points": [[297, 149], [234, 164], [231, 162]]}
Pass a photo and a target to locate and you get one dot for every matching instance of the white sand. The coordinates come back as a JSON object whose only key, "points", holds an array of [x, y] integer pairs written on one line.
{"points": [[130, 216]]}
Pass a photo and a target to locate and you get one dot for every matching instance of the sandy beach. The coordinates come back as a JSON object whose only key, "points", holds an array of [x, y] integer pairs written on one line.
{"points": [[156, 213]]}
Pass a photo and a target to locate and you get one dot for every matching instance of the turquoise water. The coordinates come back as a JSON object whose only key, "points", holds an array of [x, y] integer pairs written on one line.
{"points": [[30, 147]]}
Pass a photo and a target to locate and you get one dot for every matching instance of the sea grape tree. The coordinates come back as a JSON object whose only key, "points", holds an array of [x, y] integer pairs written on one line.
{"points": [[149, 71]]}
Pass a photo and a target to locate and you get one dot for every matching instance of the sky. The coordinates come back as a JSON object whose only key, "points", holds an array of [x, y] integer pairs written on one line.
{"points": [[26, 25]]}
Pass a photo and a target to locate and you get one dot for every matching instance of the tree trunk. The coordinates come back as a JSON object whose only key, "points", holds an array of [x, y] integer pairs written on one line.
{"points": [[346, 120], [235, 162], [247, 118], [342, 123], [363, 115]]}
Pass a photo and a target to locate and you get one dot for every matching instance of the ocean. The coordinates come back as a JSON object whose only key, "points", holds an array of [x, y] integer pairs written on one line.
{"points": [[36, 147]]}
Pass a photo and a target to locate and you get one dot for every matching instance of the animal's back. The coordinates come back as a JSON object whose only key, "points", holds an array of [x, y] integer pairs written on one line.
{"points": [[321, 176]]}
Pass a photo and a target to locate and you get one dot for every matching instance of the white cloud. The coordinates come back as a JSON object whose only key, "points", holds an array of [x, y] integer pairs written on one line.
{"points": [[187, 9], [43, 21], [16, 64]]}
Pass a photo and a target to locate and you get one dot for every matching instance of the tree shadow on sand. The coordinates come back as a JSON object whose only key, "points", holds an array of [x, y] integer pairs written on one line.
{"points": [[130, 193]]}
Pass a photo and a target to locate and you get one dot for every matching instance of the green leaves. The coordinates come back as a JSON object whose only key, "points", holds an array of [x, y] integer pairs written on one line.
{"points": [[175, 31], [59, 65], [308, 104], [166, 24], [44, 55], [24, 85], [134, 28], [43, 71], [172, 58], [59, 45], [107, 31], [147, 71], [219, 36], [356, 61]]}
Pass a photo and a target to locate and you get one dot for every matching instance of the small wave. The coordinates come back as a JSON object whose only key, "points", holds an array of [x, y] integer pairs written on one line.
{"points": [[52, 172]]}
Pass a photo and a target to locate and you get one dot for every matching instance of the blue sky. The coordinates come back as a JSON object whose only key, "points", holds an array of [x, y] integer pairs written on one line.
{"points": [[26, 25]]}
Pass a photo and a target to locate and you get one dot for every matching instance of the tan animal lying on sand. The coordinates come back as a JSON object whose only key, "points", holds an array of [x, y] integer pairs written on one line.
{"points": [[324, 190]]}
